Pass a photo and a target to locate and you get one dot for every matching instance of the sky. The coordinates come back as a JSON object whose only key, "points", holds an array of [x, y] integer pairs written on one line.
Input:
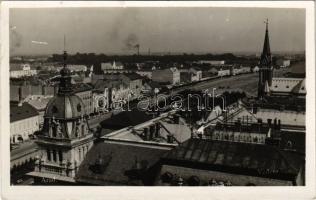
{"points": [[175, 30]]}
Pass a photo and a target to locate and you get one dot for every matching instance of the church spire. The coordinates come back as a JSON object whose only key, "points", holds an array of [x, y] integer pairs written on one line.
{"points": [[266, 69], [266, 54]]}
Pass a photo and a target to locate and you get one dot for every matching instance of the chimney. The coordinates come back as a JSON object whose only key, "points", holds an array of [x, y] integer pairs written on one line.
{"points": [[275, 126], [20, 94], [20, 97], [279, 124]]}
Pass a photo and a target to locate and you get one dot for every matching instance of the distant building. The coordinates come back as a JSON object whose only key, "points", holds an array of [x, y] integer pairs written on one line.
{"points": [[283, 63], [39, 102], [21, 70], [84, 91], [212, 62], [192, 74], [169, 76], [135, 82], [74, 68], [145, 73], [115, 67], [224, 71], [24, 121]]}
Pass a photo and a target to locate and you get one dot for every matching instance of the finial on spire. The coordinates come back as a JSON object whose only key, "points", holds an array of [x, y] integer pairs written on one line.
{"points": [[65, 52], [267, 23]]}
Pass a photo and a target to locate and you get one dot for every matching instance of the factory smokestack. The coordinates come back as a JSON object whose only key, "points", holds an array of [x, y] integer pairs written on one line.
{"points": [[137, 46]]}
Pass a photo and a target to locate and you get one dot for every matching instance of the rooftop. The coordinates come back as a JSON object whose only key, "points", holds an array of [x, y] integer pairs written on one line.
{"points": [[118, 164], [238, 158], [21, 112]]}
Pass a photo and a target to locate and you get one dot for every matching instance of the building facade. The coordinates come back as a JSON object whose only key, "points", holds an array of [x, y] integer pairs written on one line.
{"points": [[65, 138], [24, 121], [169, 76]]}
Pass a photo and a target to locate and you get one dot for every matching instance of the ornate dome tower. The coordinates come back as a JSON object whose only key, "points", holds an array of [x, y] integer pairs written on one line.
{"points": [[65, 138]]}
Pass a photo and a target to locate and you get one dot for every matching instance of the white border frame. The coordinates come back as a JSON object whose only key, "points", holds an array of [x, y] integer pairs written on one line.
{"points": [[110, 192]]}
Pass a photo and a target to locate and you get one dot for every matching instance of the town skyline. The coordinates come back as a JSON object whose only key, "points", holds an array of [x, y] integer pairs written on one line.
{"points": [[214, 30]]}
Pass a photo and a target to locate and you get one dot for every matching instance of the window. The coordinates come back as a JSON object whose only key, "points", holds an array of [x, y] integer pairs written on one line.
{"points": [[54, 156], [54, 109], [60, 155], [287, 86], [79, 107], [54, 131], [48, 154], [276, 86], [82, 130]]}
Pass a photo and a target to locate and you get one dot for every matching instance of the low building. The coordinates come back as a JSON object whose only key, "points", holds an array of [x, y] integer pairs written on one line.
{"points": [[21, 70], [192, 74], [224, 71], [24, 121], [168, 76]]}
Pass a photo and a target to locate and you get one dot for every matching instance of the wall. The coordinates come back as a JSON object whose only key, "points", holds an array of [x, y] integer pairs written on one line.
{"points": [[24, 128]]}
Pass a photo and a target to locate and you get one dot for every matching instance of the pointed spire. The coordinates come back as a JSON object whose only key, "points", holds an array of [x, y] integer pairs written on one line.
{"points": [[266, 54]]}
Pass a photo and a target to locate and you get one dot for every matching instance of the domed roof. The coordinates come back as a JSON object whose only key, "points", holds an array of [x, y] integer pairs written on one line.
{"points": [[65, 107]]}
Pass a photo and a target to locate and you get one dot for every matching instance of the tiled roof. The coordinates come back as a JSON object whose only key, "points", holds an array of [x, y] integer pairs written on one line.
{"points": [[288, 85], [21, 112], [239, 158], [119, 164]]}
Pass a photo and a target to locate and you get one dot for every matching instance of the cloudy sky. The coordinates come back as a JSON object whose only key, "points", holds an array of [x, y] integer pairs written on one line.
{"points": [[190, 30]]}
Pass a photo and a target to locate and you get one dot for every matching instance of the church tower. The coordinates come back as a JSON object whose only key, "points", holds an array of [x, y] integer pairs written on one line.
{"points": [[265, 67], [65, 138]]}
